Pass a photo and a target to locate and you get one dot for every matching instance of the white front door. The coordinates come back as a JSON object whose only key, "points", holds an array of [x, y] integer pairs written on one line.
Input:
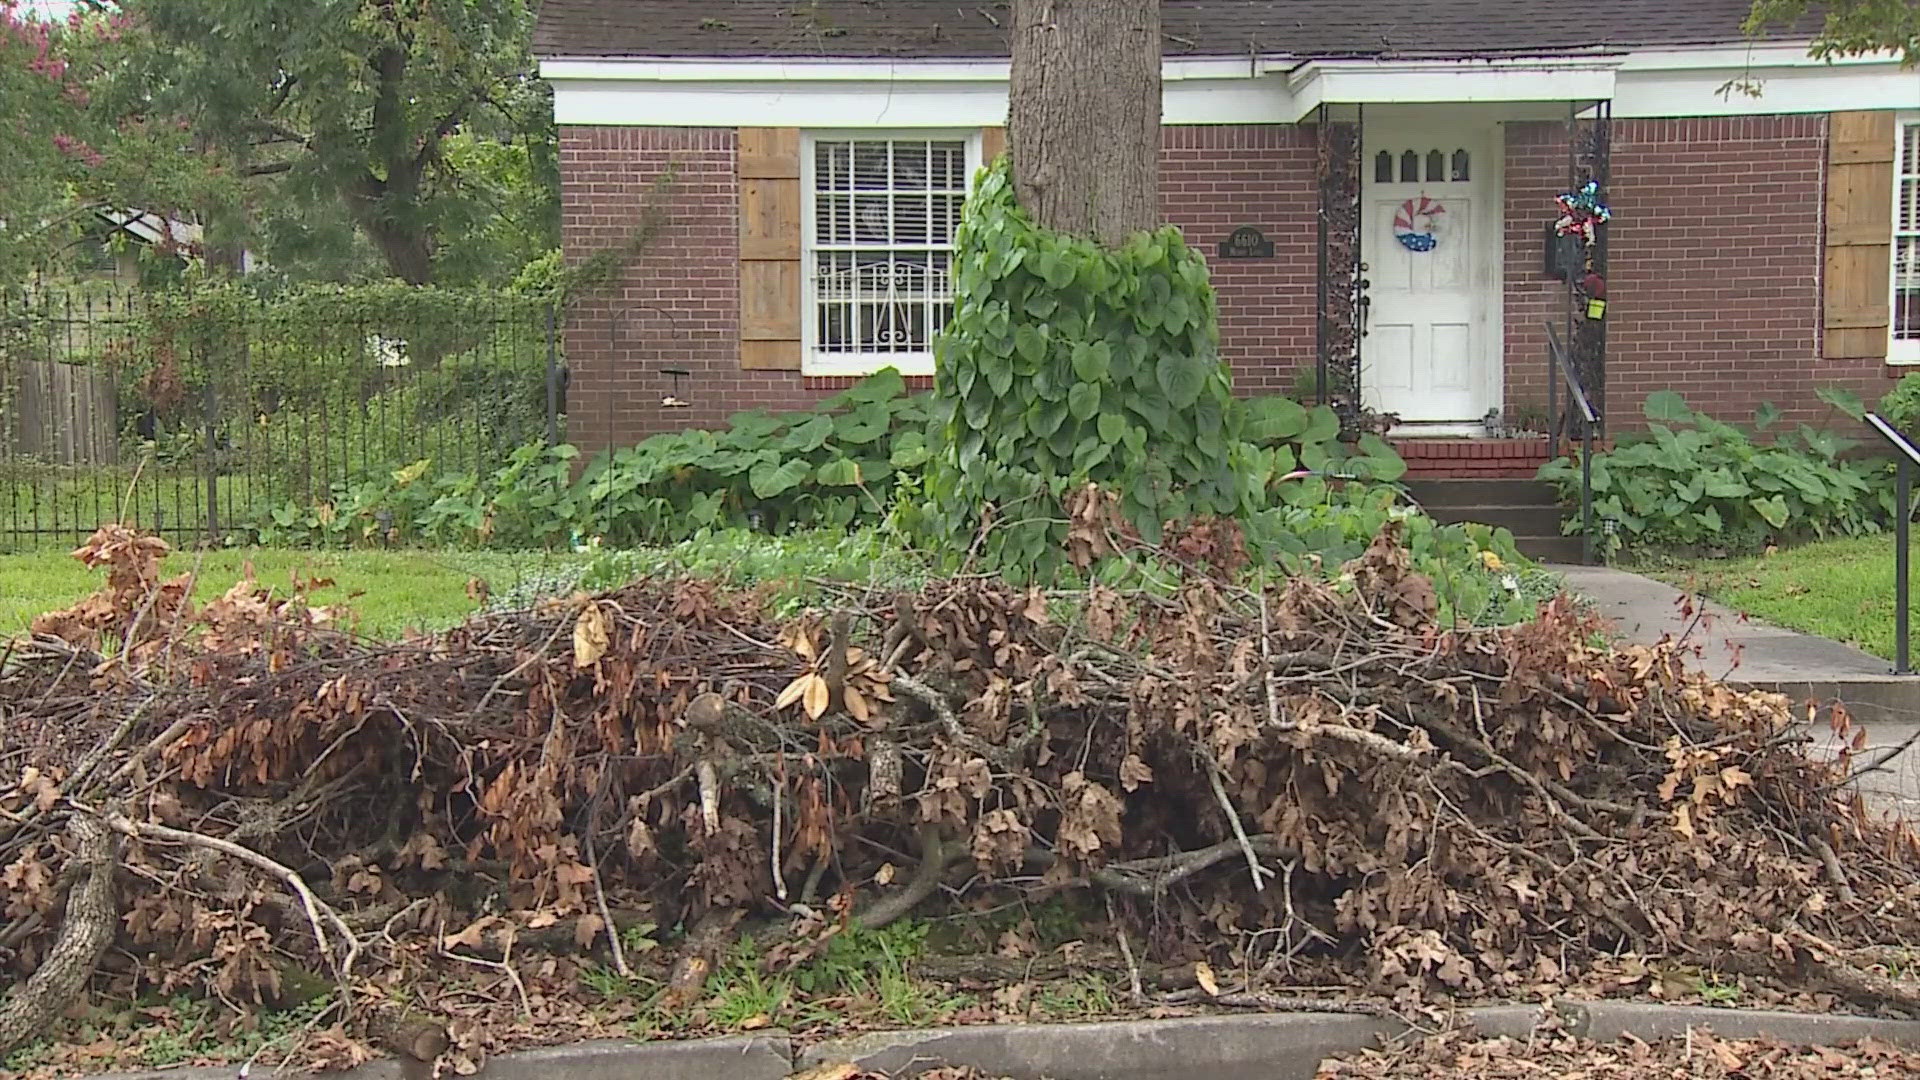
{"points": [[1429, 244]]}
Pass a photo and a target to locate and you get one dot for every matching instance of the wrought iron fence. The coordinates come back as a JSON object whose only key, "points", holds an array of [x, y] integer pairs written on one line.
{"points": [[200, 417]]}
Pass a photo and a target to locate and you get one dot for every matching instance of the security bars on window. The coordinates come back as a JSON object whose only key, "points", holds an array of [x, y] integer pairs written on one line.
{"points": [[879, 258], [1906, 246]]}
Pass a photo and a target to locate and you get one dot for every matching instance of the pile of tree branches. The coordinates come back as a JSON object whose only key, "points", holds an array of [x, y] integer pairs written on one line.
{"points": [[241, 800]]}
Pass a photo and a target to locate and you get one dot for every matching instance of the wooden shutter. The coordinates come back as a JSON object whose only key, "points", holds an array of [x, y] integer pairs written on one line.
{"points": [[769, 167], [1860, 153], [993, 143]]}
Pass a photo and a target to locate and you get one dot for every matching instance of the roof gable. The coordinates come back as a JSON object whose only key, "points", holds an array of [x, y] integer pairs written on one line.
{"points": [[946, 29]]}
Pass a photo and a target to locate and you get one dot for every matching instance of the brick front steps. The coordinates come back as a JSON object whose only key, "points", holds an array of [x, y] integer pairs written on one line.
{"points": [[1475, 459]]}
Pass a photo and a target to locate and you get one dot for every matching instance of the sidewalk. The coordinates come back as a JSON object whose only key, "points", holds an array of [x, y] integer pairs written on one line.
{"points": [[1752, 653]]}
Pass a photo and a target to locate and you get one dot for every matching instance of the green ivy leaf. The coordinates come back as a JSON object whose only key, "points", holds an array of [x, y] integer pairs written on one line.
{"points": [[1111, 427], [1083, 400], [1030, 344], [1182, 376], [1091, 360]]}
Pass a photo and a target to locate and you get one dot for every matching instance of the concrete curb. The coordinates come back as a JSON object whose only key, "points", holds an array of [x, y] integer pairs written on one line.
{"points": [[1284, 1046]]}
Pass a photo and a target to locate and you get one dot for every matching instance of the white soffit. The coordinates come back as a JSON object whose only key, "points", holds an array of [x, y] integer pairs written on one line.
{"points": [[1433, 82], [1707, 81]]}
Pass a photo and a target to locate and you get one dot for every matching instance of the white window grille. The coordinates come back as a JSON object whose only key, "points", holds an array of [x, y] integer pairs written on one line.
{"points": [[1906, 246], [880, 218]]}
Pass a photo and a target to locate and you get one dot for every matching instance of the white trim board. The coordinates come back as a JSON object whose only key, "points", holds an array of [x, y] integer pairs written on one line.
{"points": [[1247, 90]]}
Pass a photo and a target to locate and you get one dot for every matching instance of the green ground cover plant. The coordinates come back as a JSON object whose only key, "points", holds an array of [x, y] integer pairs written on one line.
{"points": [[1695, 482]]}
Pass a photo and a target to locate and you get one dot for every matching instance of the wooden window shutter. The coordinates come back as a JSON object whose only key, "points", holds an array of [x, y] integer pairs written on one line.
{"points": [[993, 143], [1860, 153], [770, 320]]}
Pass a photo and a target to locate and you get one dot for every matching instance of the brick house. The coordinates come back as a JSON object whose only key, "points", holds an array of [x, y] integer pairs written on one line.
{"points": [[1402, 161]]}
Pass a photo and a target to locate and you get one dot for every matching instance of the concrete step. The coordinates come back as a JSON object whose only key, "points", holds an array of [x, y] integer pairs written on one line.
{"points": [[1519, 520], [1433, 493], [1550, 549]]}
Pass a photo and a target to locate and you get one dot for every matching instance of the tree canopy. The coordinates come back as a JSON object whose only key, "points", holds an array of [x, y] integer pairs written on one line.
{"points": [[335, 138], [1847, 27]]}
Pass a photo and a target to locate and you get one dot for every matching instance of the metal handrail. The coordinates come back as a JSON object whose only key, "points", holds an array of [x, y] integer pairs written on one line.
{"points": [[1908, 457], [1567, 372], [1557, 353]]}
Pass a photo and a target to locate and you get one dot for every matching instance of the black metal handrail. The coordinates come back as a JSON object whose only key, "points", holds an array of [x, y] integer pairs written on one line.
{"points": [[1589, 420], [1906, 457]]}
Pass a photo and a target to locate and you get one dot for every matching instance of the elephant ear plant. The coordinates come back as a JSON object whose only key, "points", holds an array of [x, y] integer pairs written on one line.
{"points": [[1694, 481]]}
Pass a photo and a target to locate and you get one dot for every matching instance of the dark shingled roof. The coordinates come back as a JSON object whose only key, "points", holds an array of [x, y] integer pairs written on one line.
{"points": [[850, 29]]}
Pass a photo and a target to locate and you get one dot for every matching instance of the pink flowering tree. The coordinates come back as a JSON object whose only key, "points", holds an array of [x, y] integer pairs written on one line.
{"points": [[48, 135]]}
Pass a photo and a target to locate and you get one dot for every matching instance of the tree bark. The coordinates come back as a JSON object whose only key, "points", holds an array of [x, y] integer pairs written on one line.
{"points": [[1084, 123]]}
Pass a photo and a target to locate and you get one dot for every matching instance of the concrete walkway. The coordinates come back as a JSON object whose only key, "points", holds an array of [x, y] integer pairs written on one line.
{"points": [[1748, 652]]}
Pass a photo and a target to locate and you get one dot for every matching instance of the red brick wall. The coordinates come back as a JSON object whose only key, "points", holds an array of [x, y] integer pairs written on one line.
{"points": [[1715, 283], [1716, 250], [677, 306], [1215, 179]]}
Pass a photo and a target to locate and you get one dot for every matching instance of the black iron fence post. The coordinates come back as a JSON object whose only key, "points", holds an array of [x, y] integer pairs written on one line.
{"points": [[211, 406]]}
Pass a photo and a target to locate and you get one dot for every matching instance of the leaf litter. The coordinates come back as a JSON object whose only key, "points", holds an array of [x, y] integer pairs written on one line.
{"points": [[1315, 785]]}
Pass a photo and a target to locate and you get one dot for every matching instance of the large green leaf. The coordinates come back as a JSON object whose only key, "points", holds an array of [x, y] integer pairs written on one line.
{"points": [[1270, 419], [909, 450], [1846, 401], [770, 478], [1083, 400], [863, 425], [1323, 424], [1385, 464], [809, 435], [1773, 509], [840, 472], [1668, 406]]}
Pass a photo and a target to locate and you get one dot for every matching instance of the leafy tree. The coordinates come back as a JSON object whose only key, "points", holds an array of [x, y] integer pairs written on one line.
{"points": [[1847, 27], [413, 123]]}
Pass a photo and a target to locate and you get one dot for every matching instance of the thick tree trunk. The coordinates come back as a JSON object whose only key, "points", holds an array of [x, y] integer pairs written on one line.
{"points": [[1084, 127], [384, 209]]}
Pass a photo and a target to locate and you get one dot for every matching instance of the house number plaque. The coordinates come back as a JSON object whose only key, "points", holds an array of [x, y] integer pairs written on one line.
{"points": [[1246, 242]]}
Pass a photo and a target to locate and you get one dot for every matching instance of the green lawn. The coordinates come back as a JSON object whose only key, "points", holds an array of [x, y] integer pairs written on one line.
{"points": [[388, 592], [1839, 589]]}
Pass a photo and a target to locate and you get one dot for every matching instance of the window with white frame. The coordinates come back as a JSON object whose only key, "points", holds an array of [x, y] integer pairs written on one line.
{"points": [[1906, 246], [880, 217]]}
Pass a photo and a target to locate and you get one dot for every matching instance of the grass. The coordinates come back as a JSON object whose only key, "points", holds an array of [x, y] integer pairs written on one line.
{"points": [[388, 592], [1838, 589]]}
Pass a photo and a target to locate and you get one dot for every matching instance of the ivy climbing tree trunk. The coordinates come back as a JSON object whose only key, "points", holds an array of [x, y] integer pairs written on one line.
{"points": [[1084, 122], [1079, 393]]}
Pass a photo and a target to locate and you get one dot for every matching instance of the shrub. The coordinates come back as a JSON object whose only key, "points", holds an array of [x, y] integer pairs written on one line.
{"points": [[1901, 405], [1695, 481]]}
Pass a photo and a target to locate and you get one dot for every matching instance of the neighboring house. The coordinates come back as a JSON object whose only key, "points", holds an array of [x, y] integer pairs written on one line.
{"points": [[1765, 237]]}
